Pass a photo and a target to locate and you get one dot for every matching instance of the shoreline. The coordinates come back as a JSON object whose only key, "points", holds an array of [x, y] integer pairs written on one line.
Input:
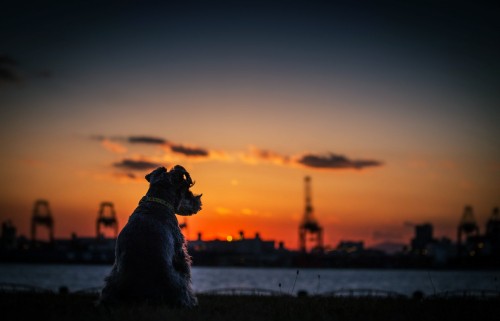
{"points": [[381, 268]]}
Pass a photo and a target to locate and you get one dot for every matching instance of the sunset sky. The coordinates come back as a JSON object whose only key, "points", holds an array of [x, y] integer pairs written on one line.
{"points": [[392, 109]]}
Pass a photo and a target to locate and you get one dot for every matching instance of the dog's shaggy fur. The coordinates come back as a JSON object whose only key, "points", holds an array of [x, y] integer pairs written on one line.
{"points": [[152, 264]]}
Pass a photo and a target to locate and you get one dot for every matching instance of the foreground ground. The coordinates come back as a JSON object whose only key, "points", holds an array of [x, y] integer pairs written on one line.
{"points": [[23, 306]]}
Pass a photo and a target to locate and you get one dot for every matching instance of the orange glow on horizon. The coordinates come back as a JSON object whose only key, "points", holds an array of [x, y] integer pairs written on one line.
{"points": [[265, 195]]}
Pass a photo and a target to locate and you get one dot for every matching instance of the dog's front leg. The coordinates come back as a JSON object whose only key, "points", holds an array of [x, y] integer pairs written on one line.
{"points": [[182, 262]]}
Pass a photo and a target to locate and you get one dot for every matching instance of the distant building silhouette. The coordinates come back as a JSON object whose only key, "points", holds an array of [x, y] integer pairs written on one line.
{"points": [[239, 251], [476, 250], [423, 238], [350, 246], [8, 239], [493, 232]]}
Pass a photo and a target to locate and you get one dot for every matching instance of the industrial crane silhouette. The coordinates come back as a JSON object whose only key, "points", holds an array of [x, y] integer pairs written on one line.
{"points": [[43, 217], [467, 226], [107, 220], [493, 224], [493, 232], [309, 225]]}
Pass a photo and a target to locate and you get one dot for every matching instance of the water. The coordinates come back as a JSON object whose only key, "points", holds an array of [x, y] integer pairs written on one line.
{"points": [[77, 277]]}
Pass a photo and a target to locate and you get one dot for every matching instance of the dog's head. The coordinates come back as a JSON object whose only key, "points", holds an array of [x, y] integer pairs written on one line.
{"points": [[175, 184]]}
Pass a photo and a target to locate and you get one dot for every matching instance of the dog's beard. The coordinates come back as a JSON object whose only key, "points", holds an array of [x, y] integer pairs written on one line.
{"points": [[189, 205]]}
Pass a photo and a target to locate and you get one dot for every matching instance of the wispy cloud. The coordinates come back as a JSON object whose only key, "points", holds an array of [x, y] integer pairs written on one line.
{"points": [[253, 155], [121, 176], [329, 161], [111, 143], [256, 155], [174, 147], [8, 73], [126, 177], [334, 161], [248, 211], [129, 175], [189, 151], [113, 146], [139, 165], [223, 210], [11, 71], [147, 140]]}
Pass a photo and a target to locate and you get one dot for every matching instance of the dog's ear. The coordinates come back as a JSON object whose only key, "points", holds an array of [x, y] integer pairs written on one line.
{"points": [[179, 174], [156, 175]]}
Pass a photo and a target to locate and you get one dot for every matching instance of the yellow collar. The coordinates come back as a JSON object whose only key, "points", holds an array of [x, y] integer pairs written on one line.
{"points": [[158, 200]]}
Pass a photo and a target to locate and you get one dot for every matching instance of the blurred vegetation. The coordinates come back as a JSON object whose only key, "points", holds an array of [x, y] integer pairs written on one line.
{"points": [[32, 306]]}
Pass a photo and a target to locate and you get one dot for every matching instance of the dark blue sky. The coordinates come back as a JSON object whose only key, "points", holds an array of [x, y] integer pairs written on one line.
{"points": [[456, 38]]}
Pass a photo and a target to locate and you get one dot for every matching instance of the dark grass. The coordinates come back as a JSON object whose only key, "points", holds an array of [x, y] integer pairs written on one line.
{"points": [[31, 306]]}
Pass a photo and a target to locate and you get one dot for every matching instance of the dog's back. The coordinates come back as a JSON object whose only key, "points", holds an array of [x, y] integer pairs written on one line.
{"points": [[151, 263]]}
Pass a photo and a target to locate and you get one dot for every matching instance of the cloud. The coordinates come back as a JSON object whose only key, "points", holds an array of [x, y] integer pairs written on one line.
{"points": [[256, 155], [124, 177], [7, 60], [7, 75], [127, 175], [121, 176], [7, 72], [113, 146], [176, 148], [109, 143], [11, 73], [331, 161], [334, 161], [136, 164], [189, 151], [220, 155], [223, 210], [147, 140], [248, 211], [253, 155]]}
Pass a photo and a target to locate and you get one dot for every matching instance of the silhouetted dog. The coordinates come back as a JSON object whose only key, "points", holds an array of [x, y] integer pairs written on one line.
{"points": [[152, 264]]}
